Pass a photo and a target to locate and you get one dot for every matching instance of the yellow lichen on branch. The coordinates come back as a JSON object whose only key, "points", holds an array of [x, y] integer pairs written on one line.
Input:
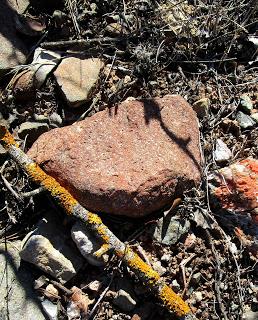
{"points": [[173, 302], [136, 263], [6, 138], [149, 277], [65, 199]]}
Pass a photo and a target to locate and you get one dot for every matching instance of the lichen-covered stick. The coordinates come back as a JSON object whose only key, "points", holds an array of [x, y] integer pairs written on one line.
{"points": [[71, 206]]}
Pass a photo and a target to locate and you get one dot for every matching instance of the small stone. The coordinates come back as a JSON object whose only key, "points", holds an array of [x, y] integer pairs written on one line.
{"points": [[234, 306], [209, 89], [235, 187], [244, 120], [73, 311], [51, 309], [246, 103], [17, 286], [250, 315], [87, 244], [95, 286], [198, 296], [222, 152], [124, 301], [40, 118], [166, 257], [254, 116], [33, 77], [78, 78], [201, 107], [196, 278], [55, 119], [44, 62], [190, 241], [13, 50], [4, 122], [78, 300], [143, 153], [114, 28], [51, 292], [50, 249], [3, 154], [59, 17], [175, 286], [223, 286], [170, 231], [32, 130], [254, 40], [24, 86], [127, 79], [159, 268], [40, 282]]}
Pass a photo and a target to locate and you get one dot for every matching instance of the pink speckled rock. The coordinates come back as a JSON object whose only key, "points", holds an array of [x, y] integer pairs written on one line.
{"points": [[127, 160]]}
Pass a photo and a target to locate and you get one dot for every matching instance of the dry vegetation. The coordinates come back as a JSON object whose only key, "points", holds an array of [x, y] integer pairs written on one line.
{"points": [[199, 49]]}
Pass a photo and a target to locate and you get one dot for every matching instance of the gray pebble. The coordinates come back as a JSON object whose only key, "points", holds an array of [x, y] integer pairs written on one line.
{"points": [[244, 120], [124, 301]]}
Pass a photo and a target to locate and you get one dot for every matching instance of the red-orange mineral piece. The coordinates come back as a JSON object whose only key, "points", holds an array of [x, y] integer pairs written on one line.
{"points": [[237, 186]]}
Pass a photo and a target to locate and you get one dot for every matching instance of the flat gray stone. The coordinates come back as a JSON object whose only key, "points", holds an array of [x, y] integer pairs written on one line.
{"points": [[13, 51], [51, 309], [169, 230], [50, 248], [244, 120], [18, 300], [246, 103]]}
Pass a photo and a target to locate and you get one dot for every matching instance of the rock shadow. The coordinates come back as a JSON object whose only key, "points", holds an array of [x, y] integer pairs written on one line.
{"points": [[152, 111], [23, 276], [8, 31]]}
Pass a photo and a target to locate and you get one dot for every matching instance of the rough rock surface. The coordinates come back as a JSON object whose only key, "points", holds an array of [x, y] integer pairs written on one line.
{"points": [[24, 86], [12, 50], [235, 187], [78, 78], [129, 160], [222, 152], [18, 300], [169, 230], [50, 249]]}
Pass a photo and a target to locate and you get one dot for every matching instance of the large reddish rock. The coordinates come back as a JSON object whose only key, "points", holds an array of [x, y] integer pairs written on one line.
{"points": [[127, 160]]}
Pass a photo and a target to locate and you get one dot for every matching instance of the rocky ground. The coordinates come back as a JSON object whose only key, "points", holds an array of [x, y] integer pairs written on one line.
{"points": [[113, 65]]}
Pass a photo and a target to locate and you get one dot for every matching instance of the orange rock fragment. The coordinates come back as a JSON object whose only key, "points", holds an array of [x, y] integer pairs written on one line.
{"points": [[238, 186]]}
